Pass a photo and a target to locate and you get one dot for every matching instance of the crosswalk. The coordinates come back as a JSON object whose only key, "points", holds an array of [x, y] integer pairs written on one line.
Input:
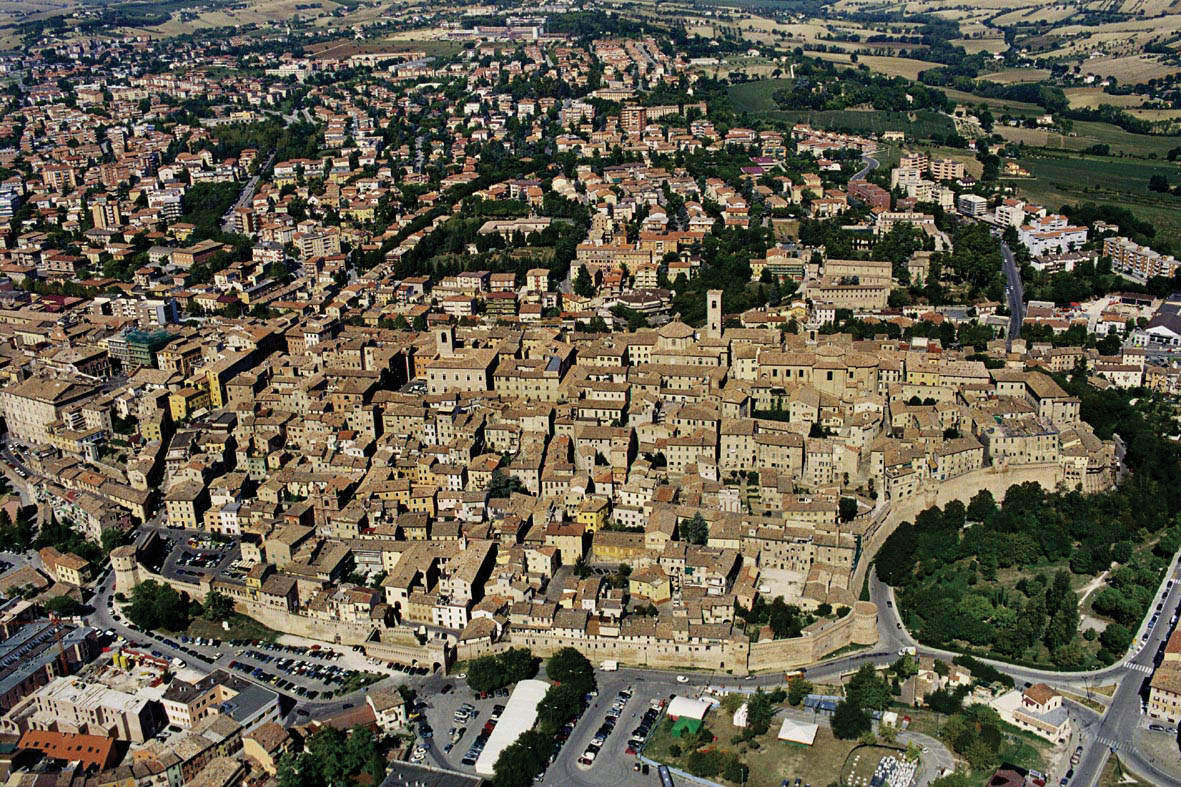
{"points": [[1110, 743], [1145, 668]]}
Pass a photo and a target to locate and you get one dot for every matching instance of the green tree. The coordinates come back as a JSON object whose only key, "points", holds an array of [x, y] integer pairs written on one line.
{"points": [[157, 606], [866, 690], [558, 706], [63, 606], [112, 537], [504, 485], [797, 689], [583, 284], [217, 606], [570, 666], [759, 712], [521, 761], [850, 722], [784, 619], [695, 530], [1115, 638]]}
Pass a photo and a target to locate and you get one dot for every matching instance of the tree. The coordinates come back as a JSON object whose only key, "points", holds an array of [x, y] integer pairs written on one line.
{"points": [[524, 758], [797, 689], [570, 666], [112, 537], [849, 721], [848, 509], [157, 606], [560, 703], [944, 701], [866, 690], [1115, 638], [63, 606], [695, 530], [217, 606], [488, 673], [504, 485], [784, 619], [331, 758], [759, 712], [583, 284], [981, 506]]}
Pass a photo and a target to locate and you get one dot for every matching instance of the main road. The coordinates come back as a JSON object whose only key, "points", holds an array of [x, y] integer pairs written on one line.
{"points": [[246, 195], [1014, 294]]}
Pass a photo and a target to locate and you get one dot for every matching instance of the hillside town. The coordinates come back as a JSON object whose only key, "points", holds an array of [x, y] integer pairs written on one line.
{"points": [[330, 373]]}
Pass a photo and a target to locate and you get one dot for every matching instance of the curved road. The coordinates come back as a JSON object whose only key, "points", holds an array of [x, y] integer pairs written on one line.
{"points": [[871, 164], [1102, 734]]}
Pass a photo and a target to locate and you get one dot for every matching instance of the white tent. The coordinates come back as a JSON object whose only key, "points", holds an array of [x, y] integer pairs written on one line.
{"points": [[519, 714], [688, 706], [798, 732], [740, 716]]}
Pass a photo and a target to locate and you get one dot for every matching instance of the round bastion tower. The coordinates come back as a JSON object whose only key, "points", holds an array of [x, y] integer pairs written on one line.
{"points": [[865, 623], [126, 568]]}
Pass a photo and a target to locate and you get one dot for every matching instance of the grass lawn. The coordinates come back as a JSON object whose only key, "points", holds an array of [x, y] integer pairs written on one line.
{"points": [[917, 124], [773, 760], [1081, 699], [756, 96], [1062, 179], [1088, 133], [859, 769], [241, 627], [995, 105], [846, 650], [359, 680], [1114, 775]]}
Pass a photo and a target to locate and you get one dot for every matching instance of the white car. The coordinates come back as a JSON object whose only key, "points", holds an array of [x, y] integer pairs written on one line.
{"points": [[682, 679]]}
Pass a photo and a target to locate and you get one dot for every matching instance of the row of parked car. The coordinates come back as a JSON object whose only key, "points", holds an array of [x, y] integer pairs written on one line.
{"points": [[261, 675], [464, 713], [296, 650], [325, 673], [606, 728], [640, 733]]}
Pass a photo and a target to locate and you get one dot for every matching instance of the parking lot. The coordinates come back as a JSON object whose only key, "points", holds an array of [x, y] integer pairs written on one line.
{"points": [[195, 557], [455, 718]]}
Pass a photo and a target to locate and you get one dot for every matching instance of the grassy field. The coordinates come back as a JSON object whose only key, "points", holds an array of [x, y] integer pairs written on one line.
{"points": [[919, 124], [1011, 76], [756, 96], [974, 45], [879, 64], [1018, 747], [771, 763], [997, 105], [859, 768], [241, 627], [1092, 97], [1088, 133], [1114, 775], [1121, 182]]}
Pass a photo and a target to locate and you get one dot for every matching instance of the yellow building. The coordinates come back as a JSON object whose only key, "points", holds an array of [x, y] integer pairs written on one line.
{"points": [[650, 583], [592, 513], [186, 401]]}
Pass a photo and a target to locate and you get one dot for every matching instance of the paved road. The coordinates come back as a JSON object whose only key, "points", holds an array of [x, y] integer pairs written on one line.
{"points": [[1015, 294], [871, 163], [246, 195]]}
